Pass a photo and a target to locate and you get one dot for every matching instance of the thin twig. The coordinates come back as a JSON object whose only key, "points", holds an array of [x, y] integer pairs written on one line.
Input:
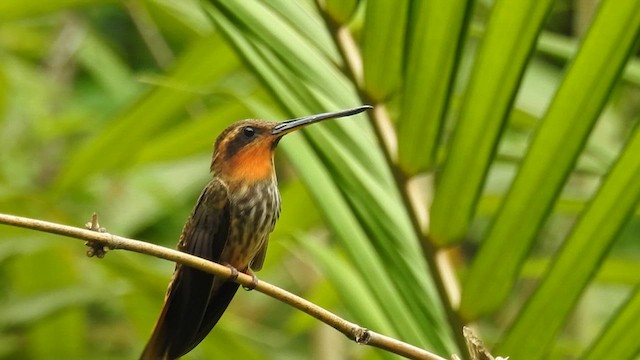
{"points": [[354, 332]]}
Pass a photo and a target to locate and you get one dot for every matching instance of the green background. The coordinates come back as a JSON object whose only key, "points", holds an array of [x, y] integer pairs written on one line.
{"points": [[495, 184]]}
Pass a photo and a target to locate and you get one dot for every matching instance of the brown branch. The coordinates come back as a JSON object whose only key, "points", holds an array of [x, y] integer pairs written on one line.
{"points": [[97, 239]]}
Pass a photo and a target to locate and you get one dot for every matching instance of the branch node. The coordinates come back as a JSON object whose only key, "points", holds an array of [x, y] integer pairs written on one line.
{"points": [[234, 272], [94, 225], [96, 248], [362, 336]]}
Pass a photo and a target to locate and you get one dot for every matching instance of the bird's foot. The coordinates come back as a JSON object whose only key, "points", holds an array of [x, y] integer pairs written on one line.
{"points": [[254, 281], [234, 272]]}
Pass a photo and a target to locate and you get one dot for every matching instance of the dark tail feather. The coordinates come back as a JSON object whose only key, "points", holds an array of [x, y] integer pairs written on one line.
{"points": [[156, 348], [218, 303], [188, 314]]}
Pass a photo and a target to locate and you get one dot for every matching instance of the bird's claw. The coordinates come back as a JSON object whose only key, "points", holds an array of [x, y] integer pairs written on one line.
{"points": [[234, 272], [234, 277], [254, 281]]}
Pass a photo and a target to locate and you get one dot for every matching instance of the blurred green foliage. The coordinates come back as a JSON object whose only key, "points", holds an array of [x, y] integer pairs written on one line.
{"points": [[516, 120]]}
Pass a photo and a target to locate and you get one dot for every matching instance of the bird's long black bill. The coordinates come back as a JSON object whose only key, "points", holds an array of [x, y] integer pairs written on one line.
{"points": [[294, 124]]}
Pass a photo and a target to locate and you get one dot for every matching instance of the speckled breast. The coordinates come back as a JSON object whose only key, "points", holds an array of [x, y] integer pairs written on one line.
{"points": [[255, 208]]}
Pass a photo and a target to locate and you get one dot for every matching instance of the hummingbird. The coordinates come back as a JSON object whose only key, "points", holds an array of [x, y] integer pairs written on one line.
{"points": [[230, 224]]}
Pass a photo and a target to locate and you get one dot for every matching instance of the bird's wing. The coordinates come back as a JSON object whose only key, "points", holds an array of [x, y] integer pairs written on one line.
{"points": [[258, 260], [191, 298]]}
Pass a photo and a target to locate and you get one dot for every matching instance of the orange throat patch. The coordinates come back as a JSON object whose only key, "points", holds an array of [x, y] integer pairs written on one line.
{"points": [[251, 164]]}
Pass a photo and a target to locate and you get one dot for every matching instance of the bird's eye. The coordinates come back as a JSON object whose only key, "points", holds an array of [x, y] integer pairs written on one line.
{"points": [[249, 131]]}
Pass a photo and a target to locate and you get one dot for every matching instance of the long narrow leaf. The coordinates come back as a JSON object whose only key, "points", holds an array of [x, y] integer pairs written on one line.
{"points": [[552, 155], [617, 340], [353, 238], [149, 114], [509, 40], [437, 32], [383, 46], [350, 286], [294, 49], [552, 303]]}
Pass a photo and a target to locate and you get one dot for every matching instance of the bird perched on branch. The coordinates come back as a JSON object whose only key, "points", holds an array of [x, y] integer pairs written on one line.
{"points": [[230, 225]]}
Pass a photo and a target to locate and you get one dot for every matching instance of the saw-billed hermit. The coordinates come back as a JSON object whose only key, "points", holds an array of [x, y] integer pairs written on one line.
{"points": [[230, 224]]}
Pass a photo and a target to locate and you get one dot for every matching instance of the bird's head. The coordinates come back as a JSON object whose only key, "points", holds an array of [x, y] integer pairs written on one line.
{"points": [[243, 152]]}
